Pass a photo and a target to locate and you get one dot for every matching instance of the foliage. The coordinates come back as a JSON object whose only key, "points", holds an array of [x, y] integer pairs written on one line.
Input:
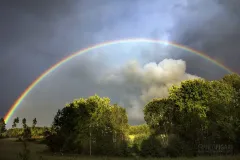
{"points": [[176, 147], [34, 123], [203, 106], [24, 122], [197, 112], [136, 143], [14, 132], [91, 126], [233, 80], [15, 122], [139, 129], [158, 115], [152, 147], [27, 133], [2, 126], [37, 132]]}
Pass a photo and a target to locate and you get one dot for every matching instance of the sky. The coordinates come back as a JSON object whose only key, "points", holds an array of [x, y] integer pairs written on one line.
{"points": [[35, 34]]}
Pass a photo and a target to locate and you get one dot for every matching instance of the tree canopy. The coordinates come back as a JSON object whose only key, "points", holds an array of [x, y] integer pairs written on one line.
{"points": [[87, 124]]}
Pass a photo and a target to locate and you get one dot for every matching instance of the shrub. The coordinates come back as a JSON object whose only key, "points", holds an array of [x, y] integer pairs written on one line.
{"points": [[152, 147], [178, 147], [54, 142], [136, 144]]}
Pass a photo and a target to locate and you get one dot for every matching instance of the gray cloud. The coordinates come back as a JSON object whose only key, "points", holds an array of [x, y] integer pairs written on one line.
{"points": [[139, 84], [131, 85]]}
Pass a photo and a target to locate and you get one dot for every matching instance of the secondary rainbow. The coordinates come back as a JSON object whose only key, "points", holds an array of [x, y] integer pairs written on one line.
{"points": [[132, 40]]}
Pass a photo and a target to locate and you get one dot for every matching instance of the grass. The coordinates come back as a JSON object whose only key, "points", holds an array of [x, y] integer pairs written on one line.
{"points": [[9, 150]]}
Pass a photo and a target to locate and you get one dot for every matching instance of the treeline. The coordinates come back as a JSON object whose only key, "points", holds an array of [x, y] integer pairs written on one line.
{"points": [[35, 133], [23, 131], [199, 117]]}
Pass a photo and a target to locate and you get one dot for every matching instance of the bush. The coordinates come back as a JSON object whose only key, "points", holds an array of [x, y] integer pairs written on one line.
{"points": [[123, 150], [178, 147], [27, 133], [14, 132], [36, 132], [136, 144], [3, 135], [54, 142], [152, 147]]}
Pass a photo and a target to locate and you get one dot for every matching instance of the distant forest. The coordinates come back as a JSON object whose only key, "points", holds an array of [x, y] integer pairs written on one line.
{"points": [[199, 117]]}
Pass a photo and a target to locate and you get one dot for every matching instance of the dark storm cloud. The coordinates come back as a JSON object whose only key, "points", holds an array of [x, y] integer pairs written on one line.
{"points": [[216, 33], [36, 34], [211, 27]]}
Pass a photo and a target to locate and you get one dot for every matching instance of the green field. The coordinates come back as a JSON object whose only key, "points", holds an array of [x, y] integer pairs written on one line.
{"points": [[9, 150]]}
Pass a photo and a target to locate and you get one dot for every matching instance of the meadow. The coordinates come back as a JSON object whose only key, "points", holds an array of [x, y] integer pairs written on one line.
{"points": [[10, 148]]}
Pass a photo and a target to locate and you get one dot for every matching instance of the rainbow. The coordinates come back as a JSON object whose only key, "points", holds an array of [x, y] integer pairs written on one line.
{"points": [[132, 40]]}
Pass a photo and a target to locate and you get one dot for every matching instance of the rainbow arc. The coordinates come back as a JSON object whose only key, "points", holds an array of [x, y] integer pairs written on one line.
{"points": [[131, 40]]}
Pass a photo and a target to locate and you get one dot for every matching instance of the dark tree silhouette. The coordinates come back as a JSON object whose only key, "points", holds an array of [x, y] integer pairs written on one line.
{"points": [[34, 123], [2, 126], [24, 121]]}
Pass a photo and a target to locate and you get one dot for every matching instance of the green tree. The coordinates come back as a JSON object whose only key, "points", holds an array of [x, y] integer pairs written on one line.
{"points": [[2, 126], [205, 109], [74, 124], [119, 121], [152, 147], [197, 111], [86, 125], [233, 80], [158, 114], [34, 123]]}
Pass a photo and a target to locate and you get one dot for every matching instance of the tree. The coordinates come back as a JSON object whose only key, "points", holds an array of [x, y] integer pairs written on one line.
{"points": [[119, 120], [24, 122], [197, 111], [34, 122], [139, 130], [205, 111], [158, 114], [86, 125], [233, 80], [15, 122], [152, 147], [2, 126]]}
